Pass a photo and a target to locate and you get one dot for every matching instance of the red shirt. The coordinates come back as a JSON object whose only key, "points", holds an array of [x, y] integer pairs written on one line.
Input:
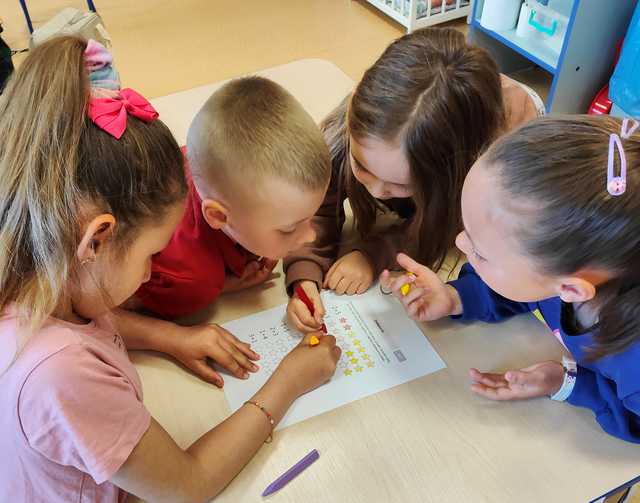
{"points": [[189, 273]]}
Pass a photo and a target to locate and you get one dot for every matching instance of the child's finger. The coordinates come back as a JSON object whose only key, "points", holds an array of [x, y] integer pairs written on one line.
{"points": [[319, 308], [499, 394], [400, 281], [329, 276], [488, 379], [300, 327], [245, 348], [250, 269], [410, 265], [417, 308], [207, 373], [340, 285], [515, 377], [239, 357], [385, 280], [226, 359], [268, 264], [413, 295], [307, 322], [363, 287], [352, 288]]}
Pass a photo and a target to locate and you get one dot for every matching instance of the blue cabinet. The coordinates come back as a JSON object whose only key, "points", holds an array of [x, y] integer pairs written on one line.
{"points": [[585, 60]]}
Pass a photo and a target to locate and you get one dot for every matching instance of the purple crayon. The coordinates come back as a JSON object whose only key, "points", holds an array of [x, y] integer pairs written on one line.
{"points": [[292, 473]]}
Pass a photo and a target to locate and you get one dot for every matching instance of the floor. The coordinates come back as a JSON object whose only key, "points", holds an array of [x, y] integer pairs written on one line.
{"points": [[164, 46], [205, 41]]}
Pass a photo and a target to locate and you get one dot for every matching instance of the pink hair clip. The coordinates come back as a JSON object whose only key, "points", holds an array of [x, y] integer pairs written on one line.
{"points": [[617, 185]]}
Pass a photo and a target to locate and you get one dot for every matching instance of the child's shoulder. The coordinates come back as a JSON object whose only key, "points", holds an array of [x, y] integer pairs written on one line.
{"points": [[58, 351], [623, 368]]}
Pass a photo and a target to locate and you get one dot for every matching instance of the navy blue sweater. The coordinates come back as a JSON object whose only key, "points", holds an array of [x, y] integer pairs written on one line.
{"points": [[610, 386]]}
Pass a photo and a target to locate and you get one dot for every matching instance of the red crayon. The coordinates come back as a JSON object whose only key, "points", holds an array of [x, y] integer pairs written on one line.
{"points": [[302, 295]]}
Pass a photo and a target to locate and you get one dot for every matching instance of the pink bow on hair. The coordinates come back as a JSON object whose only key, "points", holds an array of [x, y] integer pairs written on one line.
{"points": [[110, 114]]}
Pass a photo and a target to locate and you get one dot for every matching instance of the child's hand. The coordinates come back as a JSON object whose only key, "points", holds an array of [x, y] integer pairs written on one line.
{"points": [[541, 379], [255, 272], [429, 298], [298, 312], [307, 367], [350, 274], [193, 345]]}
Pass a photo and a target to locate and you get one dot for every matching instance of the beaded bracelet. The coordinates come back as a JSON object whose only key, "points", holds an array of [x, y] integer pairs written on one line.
{"points": [[269, 417]]}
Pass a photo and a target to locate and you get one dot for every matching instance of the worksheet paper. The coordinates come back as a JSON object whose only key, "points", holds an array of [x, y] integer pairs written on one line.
{"points": [[381, 348]]}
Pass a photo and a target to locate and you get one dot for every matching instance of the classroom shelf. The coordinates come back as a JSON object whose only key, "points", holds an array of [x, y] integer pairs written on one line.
{"points": [[538, 53], [415, 14], [583, 65]]}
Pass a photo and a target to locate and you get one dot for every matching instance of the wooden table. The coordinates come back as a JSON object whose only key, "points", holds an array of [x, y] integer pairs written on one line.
{"points": [[430, 440]]}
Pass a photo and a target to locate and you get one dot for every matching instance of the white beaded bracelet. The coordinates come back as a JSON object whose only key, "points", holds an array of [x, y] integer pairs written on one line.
{"points": [[569, 381]]}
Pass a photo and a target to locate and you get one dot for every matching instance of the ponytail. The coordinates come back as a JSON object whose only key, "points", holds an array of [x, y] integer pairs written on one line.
{"points": [[57, 168], [41, 121]]}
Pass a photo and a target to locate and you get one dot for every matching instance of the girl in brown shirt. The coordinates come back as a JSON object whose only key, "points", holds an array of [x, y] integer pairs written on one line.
{"points": [[402, 143]]}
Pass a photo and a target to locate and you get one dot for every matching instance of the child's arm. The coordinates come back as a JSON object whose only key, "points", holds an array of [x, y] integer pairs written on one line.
{"points": [[617, 415], [189, 345], [313, 260], [308, 265], [159, 470]]}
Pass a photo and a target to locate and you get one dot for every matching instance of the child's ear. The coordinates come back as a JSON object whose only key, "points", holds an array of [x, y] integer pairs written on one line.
{"points": [[576, 289], [98, 231], [215, 213]]}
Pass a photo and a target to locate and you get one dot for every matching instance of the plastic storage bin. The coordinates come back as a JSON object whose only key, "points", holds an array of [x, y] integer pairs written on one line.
{"points": [[500, 15]]}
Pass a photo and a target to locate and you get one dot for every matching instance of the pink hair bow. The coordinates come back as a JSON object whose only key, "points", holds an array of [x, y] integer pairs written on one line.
{"points": [[110, 114]]}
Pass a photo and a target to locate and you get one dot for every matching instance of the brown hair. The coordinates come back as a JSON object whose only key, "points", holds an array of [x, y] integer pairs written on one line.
{"points": [[559, 165], [253, 128], [56, 165], [442, 100]]}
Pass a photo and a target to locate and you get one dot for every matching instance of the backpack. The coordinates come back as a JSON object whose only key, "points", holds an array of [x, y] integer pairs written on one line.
{"points": [[6, 64]]}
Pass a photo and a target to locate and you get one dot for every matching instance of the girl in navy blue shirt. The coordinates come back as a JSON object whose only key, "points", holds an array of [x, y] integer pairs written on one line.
{"points": [[552, 223]]}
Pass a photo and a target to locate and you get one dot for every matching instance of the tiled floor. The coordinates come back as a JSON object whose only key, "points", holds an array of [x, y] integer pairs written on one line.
{"points": [[163, 46]]}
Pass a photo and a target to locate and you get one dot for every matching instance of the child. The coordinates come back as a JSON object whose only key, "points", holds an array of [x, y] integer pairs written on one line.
{"points": [[91, 186], [259, 171], [403, 143], [552, 223]]}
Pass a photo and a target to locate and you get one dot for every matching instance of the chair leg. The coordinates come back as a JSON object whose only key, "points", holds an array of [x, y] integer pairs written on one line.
{"points": [[23, 4]]}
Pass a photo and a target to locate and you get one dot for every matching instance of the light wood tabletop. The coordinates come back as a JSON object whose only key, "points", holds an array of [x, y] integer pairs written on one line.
{"points": [[430, 440]]}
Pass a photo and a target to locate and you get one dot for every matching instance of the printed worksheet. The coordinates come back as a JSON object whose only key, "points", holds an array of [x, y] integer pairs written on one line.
{"points": [[381, 348]]}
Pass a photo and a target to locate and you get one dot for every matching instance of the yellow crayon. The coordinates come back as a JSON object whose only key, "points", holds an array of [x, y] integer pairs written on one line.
{"points": [[404, 289]]}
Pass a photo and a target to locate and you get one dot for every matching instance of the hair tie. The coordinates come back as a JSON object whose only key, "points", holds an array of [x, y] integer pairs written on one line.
{"points": [[108, 104], [617, 185]]}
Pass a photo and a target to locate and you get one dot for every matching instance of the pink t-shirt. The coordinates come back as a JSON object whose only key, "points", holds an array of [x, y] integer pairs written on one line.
{"points": [[71, 412]]}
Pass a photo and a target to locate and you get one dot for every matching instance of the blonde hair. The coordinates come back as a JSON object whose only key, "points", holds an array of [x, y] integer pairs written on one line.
{"points": [[251, 129], [56, 165]]}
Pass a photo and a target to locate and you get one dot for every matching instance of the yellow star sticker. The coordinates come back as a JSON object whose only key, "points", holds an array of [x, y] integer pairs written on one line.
{"points": [[356, 342], [349, 353], [354, 360], [348, 372], [369, 364], [359, 368], [361, 349], [366, 357]]}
